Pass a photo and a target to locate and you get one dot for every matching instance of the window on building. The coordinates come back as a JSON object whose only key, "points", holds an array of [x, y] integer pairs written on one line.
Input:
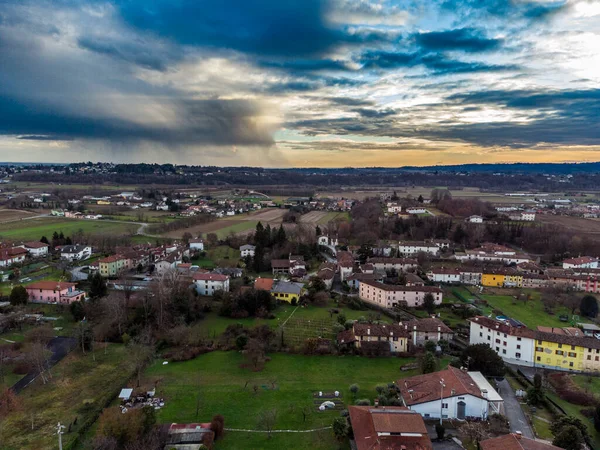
{"points": [[517, 355], [559, 345], [539, 342], [572, 355], [571, 364], [518, 347], [572, 347], [559, 352], [504, 351], [518, 339], [589, 357], [480, 334]]}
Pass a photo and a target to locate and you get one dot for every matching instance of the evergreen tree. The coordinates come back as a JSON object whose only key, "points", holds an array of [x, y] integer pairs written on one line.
{"points": [[420, 199], [589, 306], [97, 286], [428, 363], [318, 230], [18, 296], [569, 438], [281, 236], [44, 239]]}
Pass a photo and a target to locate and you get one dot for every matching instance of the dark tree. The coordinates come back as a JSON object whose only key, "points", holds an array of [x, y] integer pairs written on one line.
{"points": [[569, 438], [428, 363], [77, 311], [589, 306], [318, 230], [558, 425], [429, 303], [97, 286], [482, 358], [18, 296], [45, 240]]}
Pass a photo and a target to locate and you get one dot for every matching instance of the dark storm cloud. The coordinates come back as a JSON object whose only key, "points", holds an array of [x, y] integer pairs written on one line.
{"points": [[95, 100], [216, 122], [504, 8], [268, 27], [374, 113], [136, 52], [437, 63], [311, 65], [465, 39]]}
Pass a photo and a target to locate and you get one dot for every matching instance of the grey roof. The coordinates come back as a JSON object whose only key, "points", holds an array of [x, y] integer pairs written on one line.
{"points": [[73, 248], [287, 287], [247, 247]]}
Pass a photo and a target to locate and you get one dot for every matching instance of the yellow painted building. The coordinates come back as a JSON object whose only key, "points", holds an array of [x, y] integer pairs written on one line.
{"points": [[492, 279], [555, 351], [111, 266], [591, 359], [513, 280], [287, 291]]}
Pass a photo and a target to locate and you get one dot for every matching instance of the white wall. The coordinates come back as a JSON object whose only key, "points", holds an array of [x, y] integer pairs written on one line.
{"points": [[509, 351], [475, 407]]}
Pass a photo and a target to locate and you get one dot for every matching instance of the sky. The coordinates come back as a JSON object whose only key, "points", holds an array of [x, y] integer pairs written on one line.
{"points": [[300, 83]]}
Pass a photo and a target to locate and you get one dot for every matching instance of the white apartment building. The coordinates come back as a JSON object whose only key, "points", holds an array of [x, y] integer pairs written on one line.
{"points": [[388, 296], [208, 283], [412, 248], [399, 264], [444, 275], [515, 345], [583, 262], [394, 208]]}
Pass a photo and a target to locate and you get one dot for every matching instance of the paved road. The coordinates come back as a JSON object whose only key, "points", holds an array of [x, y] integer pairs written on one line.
{"points": [[513, 411], [60, 346]]}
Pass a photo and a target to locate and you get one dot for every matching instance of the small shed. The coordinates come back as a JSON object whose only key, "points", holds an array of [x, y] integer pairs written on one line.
{"points": [[125, 394]]}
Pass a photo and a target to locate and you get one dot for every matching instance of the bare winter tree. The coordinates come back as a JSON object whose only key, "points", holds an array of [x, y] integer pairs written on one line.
{"points": [[39, 357], [267, 420]]}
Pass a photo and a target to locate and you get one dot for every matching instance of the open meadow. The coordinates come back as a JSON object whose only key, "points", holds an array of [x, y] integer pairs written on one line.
{"points": [[81, 386], [286, 384], [34, 229]]}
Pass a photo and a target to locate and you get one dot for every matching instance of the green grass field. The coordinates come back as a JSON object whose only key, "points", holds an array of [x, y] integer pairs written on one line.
{"points": [[587, 383], [219, 253], [220, 382], [236, 228], [34, 229], [331, 216], [213, 325], [79, 388], [531, 313]]}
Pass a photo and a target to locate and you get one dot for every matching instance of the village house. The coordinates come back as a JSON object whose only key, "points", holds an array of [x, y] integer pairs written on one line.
{"points": [[452, 393], [196, 245], [354, 279], [263, 284], [428, 329], [75, 252], [515, 442], [412, 279], [389, 296], [378, 339], [287, 291], [329, 241], [294, 266], [583, 262], [398, 264], [10, 256], [112, 266], [493, 253], [410, 248], [471, 275], [54, 292], [327, 273], [444, 275], [388, 427], [475, 219], [208, 283], [36, 249], [247, 250], [345, 262]]}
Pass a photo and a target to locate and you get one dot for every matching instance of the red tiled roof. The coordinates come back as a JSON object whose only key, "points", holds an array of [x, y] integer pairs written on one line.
{"points": [[264, 284], [111, 259], [373, 329], [580, 260], [426, 388], [429, 325], [395, 287], [280, 263], [512, 442], [210, 277], [50, 285], [502, 327], [35, 244], [386, 428]]}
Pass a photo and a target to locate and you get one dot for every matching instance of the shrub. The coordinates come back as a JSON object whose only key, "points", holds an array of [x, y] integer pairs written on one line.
{"points": [[440, 431], [363, 402]]}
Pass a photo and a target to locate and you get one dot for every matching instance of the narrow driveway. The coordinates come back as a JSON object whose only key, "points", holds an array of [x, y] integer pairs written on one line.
{"points": [[60, 346], [513, 411]]}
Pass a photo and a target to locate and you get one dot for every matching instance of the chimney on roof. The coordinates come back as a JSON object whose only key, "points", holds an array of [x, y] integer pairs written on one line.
{"points": [[376, 403], [518, 434]]}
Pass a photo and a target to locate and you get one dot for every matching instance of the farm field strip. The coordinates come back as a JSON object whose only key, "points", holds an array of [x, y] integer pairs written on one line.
{"points": [[34, 229]]}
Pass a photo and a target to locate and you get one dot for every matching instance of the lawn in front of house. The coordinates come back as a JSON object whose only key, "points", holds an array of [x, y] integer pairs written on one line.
{"points": [[228, 256], [531, 313], [80, 387], [286, 384]]}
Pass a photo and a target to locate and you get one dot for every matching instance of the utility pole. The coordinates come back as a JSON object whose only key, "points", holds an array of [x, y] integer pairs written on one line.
{"points": [[59, 431], [442, 386]]}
